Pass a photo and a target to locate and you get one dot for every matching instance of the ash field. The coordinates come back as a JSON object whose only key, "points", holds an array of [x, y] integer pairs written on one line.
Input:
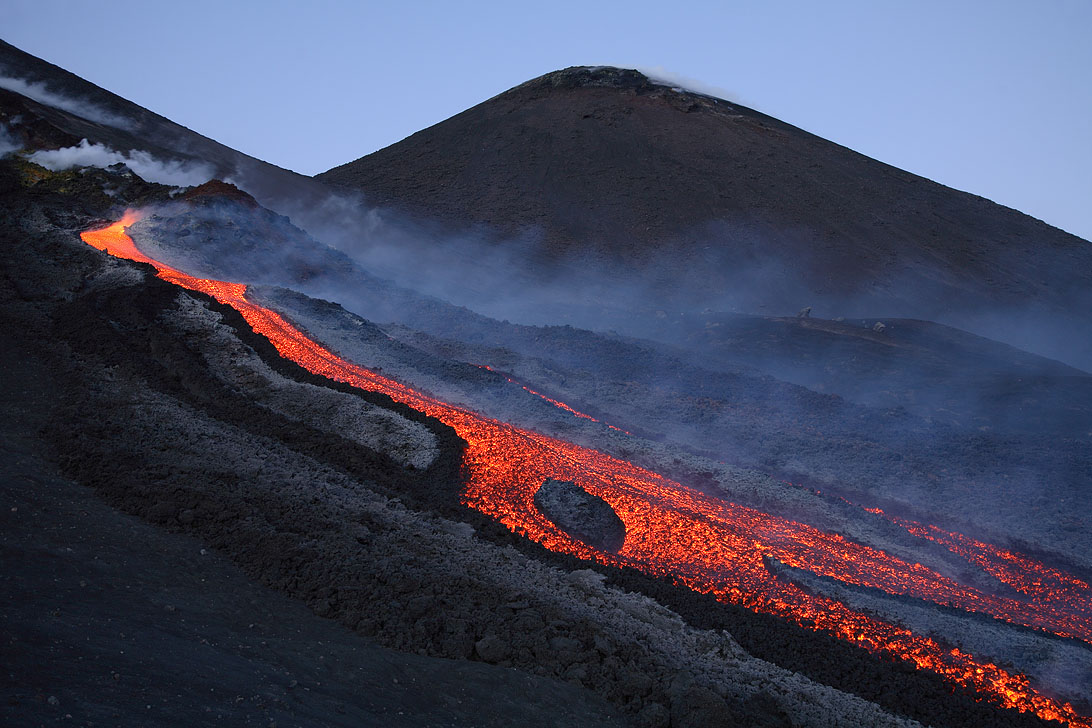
{"points": [[456, 446]]}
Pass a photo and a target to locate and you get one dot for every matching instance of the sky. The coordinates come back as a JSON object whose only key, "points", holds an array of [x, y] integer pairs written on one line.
{"points": [[991, 97]]}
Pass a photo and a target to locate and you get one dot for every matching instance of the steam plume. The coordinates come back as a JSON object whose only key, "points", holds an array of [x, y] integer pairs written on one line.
{"points": [[85, 154], [660, 75], [8, 143]]}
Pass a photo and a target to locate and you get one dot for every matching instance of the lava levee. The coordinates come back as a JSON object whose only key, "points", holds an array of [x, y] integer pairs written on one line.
{"points": [[711, 545]]}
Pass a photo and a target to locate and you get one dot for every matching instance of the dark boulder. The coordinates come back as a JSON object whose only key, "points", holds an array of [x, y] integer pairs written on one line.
{"points": [[580, 514]]}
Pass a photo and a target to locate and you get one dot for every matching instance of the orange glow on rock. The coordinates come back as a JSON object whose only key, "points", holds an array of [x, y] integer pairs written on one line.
{"points": [[711, 545]]}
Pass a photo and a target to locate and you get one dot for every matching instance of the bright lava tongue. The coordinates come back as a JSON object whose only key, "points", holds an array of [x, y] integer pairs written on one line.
{"points": [[711, 545]]}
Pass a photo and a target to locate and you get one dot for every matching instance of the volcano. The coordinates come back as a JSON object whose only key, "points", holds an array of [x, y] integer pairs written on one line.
{"points": [[713, 204], [254, 478]]}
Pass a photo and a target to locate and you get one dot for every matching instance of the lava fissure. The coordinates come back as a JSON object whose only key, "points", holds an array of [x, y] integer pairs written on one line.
{"points": [[556, 403], [710, 545]]}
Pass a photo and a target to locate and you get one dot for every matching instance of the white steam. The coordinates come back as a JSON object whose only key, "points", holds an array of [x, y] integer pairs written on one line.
{"points": [[660, 75], [147, 167], [8, 142], [80, 107]]}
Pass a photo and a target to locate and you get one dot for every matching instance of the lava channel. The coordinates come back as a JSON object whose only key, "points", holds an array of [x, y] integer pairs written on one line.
{"points": [[712, 546]]}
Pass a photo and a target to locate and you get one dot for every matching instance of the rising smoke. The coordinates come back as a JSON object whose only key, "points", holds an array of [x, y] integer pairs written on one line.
{"points": [[85, 154], [517, 277], [80, 107], [661, 76], [8, 142]]}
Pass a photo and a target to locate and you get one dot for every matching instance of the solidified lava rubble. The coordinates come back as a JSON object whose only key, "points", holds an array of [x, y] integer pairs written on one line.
{"points": [[221, 443]]}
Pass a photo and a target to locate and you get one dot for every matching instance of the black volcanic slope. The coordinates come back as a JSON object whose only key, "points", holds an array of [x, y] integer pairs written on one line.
{"points": [[602, 161]]}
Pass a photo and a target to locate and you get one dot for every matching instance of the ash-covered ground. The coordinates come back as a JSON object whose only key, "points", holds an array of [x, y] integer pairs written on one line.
{"points": [[171, 410]]}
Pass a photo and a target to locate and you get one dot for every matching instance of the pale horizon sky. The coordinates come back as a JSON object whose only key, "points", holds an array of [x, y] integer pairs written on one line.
{"points": [[993, 98]]}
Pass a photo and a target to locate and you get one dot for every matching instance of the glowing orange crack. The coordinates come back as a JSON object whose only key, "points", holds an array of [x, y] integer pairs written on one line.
{"points": [[554, 402]]}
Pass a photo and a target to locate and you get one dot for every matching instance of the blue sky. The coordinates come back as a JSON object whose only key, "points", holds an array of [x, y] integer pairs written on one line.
{"points": [[990, 97]]}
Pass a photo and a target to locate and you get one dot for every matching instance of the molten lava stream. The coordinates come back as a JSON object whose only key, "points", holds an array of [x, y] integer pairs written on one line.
{"points": [[713, 546]]}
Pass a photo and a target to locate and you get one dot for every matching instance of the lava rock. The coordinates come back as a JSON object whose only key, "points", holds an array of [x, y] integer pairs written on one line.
{"points": [[698, 706], [491, 648], [580, 514], [654, 715]]}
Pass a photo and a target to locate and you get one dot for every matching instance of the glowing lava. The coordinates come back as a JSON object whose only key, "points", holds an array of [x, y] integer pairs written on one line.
{"points": [[713, 546]]}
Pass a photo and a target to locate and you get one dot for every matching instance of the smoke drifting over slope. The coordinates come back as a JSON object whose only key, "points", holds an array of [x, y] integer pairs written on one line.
{"points": [[8, 142], [172, 172], [522, 278], [80, 107]]}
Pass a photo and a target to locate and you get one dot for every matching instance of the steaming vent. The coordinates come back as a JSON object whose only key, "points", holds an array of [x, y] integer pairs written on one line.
{"points": [[580, 514]]}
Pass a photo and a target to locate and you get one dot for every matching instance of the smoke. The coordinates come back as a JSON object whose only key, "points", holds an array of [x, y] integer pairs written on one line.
{"points": [[660, 75], [85, 154], [521, 277], [8, 142], [80, 107], [510, 277], [474, 267]]}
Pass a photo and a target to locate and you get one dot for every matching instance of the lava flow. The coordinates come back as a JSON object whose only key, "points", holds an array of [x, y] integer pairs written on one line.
{"points": [[711, 545]]}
